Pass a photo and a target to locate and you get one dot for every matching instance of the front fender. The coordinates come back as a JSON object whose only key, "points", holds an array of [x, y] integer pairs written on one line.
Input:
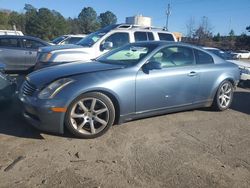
{"points": [[119, 84]]}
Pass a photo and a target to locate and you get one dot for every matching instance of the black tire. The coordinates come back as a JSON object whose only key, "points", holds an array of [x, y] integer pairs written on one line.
{"points": [[100, 98], [217, 103]]}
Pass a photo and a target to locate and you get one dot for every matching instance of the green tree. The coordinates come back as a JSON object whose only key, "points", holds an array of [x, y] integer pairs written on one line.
{"points": [[4, 20], [248, 28], [88, 20], [44, 23], [18, 20], [107, 18], [243, 42], [61, 25], [31, 17], [74, 26], [29, 7], [231, 35], [217, 37]]}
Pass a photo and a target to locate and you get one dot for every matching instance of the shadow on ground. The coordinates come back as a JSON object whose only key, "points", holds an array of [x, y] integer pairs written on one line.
{"points": [[241, 102], [12, 123]]}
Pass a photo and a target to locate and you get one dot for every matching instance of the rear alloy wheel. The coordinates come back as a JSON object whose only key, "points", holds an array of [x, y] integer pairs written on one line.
{"points": [[90, 115], [224, 96]]}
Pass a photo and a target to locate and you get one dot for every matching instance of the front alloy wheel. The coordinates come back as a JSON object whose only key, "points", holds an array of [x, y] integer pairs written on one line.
{"points": [[90, 115]]}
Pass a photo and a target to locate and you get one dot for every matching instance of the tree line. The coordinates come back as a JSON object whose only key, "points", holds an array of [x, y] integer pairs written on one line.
{"points": [[201, 34], [48, 24]]}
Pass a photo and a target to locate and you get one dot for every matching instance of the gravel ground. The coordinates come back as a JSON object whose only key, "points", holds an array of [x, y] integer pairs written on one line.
{"points": [[199, 148]]}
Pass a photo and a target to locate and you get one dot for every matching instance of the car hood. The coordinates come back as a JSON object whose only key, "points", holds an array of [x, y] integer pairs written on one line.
{"points": [[240, 63], [47, 75], [58, 47]]}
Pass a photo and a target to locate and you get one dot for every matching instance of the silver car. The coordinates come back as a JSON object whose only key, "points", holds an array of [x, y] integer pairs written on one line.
{"points": [[19, 52]]}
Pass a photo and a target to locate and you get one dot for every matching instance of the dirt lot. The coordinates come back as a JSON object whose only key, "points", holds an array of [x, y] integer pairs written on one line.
{"points": [[199, 148]]}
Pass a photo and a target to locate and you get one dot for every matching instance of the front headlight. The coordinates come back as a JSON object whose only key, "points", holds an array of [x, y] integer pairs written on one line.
{"points": [[51, 90], [244, 70], [44, 57]]}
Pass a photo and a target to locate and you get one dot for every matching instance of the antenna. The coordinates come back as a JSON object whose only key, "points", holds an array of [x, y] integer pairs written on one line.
{"points": [[168, 12]]}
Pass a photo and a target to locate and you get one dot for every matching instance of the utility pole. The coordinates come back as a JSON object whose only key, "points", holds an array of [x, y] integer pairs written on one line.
{"points": [[168, 12]]}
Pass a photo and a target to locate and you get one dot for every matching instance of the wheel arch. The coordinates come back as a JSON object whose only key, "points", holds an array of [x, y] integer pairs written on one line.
{"points": [[114, 100], [108, 93], [221, 80]]}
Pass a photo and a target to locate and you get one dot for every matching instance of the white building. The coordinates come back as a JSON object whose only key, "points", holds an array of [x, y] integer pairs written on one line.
{"points": [[139, 20]]}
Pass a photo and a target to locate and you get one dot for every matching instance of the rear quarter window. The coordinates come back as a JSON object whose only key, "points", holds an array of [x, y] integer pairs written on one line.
{"points": [[143, 36], [203, 58], [166, 36]]}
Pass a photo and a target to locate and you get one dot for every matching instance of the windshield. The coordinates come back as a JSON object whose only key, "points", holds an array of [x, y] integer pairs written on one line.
{"points": [[221, 54], [91, 39], [58, 39], [130, 54]]}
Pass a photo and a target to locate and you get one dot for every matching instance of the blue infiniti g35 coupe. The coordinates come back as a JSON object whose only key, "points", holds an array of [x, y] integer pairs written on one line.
{"points": [[134, 81]]}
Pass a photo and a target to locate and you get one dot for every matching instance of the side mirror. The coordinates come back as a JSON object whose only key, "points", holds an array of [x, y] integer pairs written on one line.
{"points": [[152, 65], [107, 45]]}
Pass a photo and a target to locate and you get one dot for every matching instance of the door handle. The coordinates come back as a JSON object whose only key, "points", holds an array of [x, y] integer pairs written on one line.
{"points": [[192, 73]]}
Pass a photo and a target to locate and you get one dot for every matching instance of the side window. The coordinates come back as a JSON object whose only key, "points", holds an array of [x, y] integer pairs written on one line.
{"points": [[10, 42], [72, 40], [140, 36], [166, 36], [175, 56], [31, 44], [118, 39], [150, 36], [203, 58], [143, 36]]}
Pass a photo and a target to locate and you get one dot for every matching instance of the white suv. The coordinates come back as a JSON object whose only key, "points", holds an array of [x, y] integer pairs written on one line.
{"points": [[68, 39], [99, 42]]}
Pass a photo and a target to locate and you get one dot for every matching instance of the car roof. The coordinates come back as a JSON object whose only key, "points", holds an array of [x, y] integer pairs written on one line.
{"points": [[23, 37], [171, 43], [77, 35], [132, 27], [168, 43], [210, 48]]}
